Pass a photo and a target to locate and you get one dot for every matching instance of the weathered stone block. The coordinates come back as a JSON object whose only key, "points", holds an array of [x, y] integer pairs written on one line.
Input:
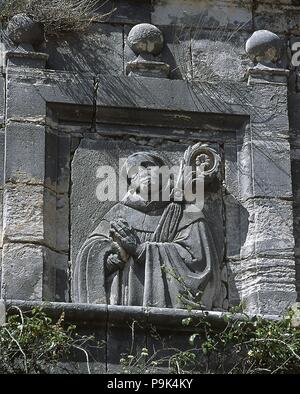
{"points": [[126, 11], [296, 213], [31, 155], [278, 17], [51, 160], [295, 161], [50, 259], [28, 272], [26, 59], [175, 95], [19, 107], [2, 99], [272, 168], [2, 155], [43, 88], [63, 164], [29, 214], [294, 118], [245, 173], [263, 285], [269, 113], [277, 126], [1, 218], [1, 295], [219, 57], [234, 283], [222, 14], [126, 334], [231, 183], [270, 231], [2, 313], [276, 287], [297, 259], [265, 169], [25, 153], [62, 285], [237, 224], [268, 107], [62, 222]]}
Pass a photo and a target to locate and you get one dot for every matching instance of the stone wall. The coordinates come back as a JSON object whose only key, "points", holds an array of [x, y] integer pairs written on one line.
{"points": [[64, 111]]}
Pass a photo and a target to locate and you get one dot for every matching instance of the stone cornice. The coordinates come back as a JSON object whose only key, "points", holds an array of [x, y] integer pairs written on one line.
{"points": [[100, 315]]}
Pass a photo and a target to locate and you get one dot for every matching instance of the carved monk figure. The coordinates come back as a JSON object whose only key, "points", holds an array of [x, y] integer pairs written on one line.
{"points": [[147, 253]]}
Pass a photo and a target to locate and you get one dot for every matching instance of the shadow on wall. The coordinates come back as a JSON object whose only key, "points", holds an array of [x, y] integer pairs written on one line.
{"points": [[194, 53], [98, 50]]}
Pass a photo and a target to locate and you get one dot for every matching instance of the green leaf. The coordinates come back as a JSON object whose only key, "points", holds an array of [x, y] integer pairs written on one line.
{"points": [[187, 321], [192, 339]]}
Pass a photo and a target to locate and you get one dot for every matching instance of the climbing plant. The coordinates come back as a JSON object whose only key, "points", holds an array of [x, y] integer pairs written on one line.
{"points": [[245, 345], [33, 342]]}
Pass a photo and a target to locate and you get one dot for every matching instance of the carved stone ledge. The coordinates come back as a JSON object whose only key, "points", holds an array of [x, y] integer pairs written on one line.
{"points": [[26, 59], [147, 68], [99, 314], [267, 75]]}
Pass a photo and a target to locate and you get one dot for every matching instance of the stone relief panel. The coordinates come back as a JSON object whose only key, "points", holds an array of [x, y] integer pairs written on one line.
{"points": [[132, 250]]}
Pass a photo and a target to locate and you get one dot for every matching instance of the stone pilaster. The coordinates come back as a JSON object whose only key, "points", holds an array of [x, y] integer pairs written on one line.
{"points": [[265, 275], [29, 201]]}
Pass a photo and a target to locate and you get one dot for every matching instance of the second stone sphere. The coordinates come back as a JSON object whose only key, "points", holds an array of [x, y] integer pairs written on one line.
{"points": [[145, 38], [23, 30], [264, 45]]}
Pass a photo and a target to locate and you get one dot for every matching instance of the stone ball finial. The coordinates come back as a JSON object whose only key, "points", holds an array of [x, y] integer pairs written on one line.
{"points": [[145, 38], [22, 29], [264, 46]]}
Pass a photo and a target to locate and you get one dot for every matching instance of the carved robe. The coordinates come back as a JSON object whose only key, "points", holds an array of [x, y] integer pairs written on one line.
{"points": [[177, 253]]}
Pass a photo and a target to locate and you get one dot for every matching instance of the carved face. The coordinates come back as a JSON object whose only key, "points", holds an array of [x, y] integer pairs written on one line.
{"points": [[142, 172], [145, 179]]}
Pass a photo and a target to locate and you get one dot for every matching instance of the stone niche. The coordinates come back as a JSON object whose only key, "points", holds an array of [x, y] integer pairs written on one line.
{"points": [[114, 142], [198, 235], [168, 136]]}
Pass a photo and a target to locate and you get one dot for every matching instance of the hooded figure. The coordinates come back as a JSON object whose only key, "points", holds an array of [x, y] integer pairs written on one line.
{"points": [[148, 253]]}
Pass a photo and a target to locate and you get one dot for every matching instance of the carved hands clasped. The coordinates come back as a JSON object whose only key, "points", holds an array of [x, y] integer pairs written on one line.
{"points": [[125, 240], [124, 236]]}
